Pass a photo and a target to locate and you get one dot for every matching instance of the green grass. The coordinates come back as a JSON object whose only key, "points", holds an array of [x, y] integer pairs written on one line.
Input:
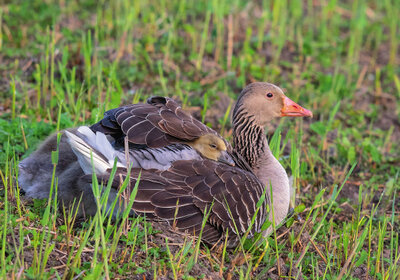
{"points": [[63, 63]]}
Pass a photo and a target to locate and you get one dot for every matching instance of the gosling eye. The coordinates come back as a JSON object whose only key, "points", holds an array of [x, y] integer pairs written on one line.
{"points": [[213, 146], [269, 95]]}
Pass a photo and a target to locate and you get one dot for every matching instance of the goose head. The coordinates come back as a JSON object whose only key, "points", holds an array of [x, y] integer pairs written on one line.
{"points": [[265, 102], [212, 147]]}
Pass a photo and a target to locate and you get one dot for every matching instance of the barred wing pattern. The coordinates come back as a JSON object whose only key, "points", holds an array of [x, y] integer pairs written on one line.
{"points": [[184, 194], [158, 123]]}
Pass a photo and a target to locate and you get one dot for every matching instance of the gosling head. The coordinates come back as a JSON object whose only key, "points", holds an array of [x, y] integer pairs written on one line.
{"points": [[212, 147], [267, 101]]}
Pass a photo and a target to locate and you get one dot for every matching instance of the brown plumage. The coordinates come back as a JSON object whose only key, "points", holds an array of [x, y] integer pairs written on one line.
{"points": [[187, 191], [159, 123], [190, 190]]}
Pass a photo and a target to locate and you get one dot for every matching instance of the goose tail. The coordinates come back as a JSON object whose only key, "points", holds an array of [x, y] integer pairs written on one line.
{"points": [[87, 145]]}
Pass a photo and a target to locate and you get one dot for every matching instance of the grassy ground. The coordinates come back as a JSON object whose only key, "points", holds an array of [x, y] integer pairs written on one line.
{"points": [[63, 63]]}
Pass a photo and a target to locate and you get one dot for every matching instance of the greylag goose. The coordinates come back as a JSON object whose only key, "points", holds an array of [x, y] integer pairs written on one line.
{"points": [[189, 190]]}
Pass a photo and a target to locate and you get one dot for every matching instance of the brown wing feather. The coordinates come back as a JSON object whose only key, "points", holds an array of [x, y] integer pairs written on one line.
{"points": [[159, 123], [184, 194]]}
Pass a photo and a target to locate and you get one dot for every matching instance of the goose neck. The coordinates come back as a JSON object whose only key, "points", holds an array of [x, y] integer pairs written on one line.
{"points": [[251, 143]]}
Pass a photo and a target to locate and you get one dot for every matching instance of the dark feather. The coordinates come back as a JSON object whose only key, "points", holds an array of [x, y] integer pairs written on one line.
{"points": [[166, 199], [171, 213], [184, 198], [159, 123]]}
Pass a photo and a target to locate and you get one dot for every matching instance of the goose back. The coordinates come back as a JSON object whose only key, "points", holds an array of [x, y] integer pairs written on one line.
{"points": [[159, 123]]}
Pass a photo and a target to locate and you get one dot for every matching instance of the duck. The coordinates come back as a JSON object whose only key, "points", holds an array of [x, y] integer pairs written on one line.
{"points": [[204, 197]]}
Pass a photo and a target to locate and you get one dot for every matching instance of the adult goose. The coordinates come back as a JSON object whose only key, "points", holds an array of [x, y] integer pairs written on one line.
{"points": [[190, 190]]}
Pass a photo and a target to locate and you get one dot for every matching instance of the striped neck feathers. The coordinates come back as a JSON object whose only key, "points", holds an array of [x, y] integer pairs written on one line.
{"points": [[251, 143]]}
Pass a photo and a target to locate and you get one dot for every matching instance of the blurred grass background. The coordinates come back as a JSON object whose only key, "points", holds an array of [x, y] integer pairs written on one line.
{"points": [[63, 63]]}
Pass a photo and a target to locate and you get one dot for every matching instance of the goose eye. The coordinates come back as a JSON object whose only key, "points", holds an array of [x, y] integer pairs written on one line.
{"points": [[270, 95], [213, 146]]}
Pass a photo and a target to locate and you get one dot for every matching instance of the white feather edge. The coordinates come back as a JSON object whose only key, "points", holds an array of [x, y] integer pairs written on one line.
{"points": [[87, 144]]}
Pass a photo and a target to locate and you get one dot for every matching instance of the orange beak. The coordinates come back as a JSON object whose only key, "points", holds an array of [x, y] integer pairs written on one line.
{"points": [[292, 109]]}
